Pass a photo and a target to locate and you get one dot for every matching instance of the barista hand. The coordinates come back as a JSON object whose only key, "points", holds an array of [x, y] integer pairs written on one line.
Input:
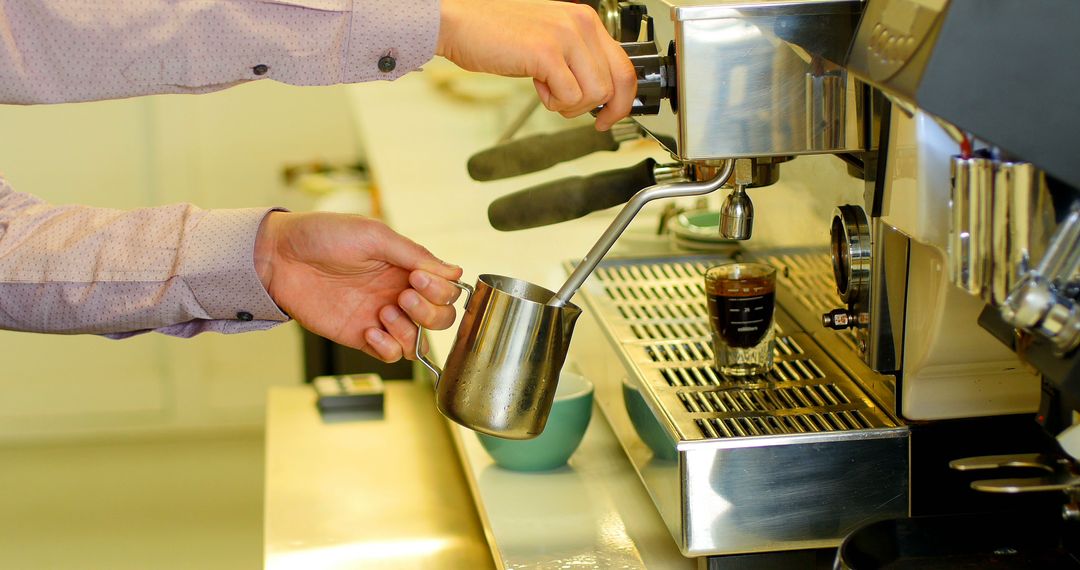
{"points": [[575, 64], [347, 278]]}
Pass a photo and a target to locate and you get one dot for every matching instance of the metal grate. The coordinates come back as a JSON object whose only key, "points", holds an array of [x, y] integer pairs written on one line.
{"points": [[662, 306], [808, 278]]}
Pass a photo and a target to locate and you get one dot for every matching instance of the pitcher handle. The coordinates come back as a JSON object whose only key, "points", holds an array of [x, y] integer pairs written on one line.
{"points": [[435, 368]]}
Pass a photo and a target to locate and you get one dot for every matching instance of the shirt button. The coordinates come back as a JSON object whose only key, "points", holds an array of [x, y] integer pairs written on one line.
{"points": [[387, 63], [245, 316], [260, 69]]}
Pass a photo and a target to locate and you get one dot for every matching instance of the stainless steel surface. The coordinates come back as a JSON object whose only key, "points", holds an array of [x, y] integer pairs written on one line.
{"points": [[611, 16], [893, 43], [808, 292], [1023, 220], [1062, 255], [850, 236], [626, 215], [367, 491], [418, 348], [502, 370], [737, 215], [884, 333], [1057, 473], [766, 170], [732, 488], [970, 231], [672, 172], [737, 211], [1036, 307], [1040, 302], [745, 86]]}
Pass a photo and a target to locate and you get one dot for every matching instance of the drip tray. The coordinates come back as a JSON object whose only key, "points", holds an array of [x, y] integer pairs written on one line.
{"points": [[791, 460]]}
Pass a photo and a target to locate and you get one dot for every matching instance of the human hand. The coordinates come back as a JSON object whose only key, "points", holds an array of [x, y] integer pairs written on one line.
{"points": [[354, 281], [575, 64]]}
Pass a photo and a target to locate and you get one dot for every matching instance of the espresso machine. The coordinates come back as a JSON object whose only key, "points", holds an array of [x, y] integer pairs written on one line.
{"points": [[926, 361]]}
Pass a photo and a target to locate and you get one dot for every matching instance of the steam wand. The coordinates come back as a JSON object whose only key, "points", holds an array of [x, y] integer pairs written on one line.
{"points": [[626, 215]]}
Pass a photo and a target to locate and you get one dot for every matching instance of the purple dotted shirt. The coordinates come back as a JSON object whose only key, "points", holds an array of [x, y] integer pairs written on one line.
{"points": [[177, 269]]}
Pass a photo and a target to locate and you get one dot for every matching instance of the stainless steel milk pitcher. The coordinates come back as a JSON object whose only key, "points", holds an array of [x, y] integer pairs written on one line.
{"points": [[502, 370]]}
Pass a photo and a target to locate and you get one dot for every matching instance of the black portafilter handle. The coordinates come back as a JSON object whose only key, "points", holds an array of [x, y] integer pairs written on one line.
{"points": [[538, 152], [570, 198]]}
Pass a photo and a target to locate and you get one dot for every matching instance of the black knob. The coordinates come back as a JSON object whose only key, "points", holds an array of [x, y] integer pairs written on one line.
{"points": [[655, 76]]}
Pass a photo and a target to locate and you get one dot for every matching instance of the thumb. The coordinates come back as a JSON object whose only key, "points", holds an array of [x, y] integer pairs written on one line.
{"points": [[407, 254]]}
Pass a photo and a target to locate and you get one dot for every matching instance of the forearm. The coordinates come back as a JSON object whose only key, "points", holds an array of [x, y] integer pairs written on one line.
{"points": [[176, 269], [80, 50]]}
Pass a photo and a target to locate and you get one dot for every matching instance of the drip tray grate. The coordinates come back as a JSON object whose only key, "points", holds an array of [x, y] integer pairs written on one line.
{"points": [[657, 310]]}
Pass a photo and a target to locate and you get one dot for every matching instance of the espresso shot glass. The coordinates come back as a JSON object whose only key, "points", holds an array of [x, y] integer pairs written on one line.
{"points": [[741, 298]]}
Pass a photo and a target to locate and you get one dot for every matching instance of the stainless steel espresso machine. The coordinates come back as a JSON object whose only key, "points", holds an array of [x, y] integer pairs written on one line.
{"points": [[926, 360]]}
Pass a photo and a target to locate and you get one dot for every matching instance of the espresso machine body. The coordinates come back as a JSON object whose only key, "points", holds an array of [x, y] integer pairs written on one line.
{"points": [[897, 347], [739, 84], [798, 460]]}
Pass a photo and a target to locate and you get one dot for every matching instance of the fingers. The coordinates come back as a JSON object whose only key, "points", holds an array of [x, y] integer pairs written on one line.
{"points": [[573, 61], [590, 70], [593, 76], [403, 252], [561, 90], [399, 338], [381, 345], [402, 332], [624, 87], [570, 67], [428, 304], [425, 312]]}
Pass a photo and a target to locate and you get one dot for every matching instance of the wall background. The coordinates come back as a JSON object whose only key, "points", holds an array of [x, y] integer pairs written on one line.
{"points": [[222, 150]]}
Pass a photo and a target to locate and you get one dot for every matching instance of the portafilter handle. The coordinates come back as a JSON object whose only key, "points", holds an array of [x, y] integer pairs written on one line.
{"points": [[540, 152], [623, 219], [571, 198]]}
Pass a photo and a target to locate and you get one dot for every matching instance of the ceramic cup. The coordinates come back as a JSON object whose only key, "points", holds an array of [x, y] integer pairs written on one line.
{"points": [[646, 425], [570, 415]]}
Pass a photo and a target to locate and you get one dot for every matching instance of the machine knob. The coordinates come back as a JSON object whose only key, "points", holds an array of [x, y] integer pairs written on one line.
{"points": [[837, 320], [655, 76]]}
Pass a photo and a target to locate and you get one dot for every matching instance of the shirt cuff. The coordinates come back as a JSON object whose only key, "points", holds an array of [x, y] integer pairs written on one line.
{"points": [[218, 266], [389, 39]]}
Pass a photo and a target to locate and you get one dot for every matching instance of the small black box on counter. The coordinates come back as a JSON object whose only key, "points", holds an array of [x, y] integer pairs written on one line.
{"points": [[349, 393]]}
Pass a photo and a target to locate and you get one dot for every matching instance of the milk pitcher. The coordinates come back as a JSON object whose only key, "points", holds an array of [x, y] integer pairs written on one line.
{"points": [[502, 370]]}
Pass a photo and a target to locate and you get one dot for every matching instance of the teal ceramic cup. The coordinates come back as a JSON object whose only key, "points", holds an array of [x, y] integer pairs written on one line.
{"points": [[570, 415], [646, 425]]}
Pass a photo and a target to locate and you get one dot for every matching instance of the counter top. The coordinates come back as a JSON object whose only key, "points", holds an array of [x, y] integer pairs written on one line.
{"points": [[594, 512], [366, 490]]}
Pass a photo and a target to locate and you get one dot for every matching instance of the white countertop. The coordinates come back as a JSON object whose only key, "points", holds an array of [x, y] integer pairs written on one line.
{"points": [[595, 512], [366, 490]]}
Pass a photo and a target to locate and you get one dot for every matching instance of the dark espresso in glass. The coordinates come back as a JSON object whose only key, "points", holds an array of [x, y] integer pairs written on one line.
{"points": [[741, 299], [741, 309]]}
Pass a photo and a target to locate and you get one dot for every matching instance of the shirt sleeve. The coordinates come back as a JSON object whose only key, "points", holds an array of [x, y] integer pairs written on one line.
{"points": [[54, 51], [175, 269]]}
